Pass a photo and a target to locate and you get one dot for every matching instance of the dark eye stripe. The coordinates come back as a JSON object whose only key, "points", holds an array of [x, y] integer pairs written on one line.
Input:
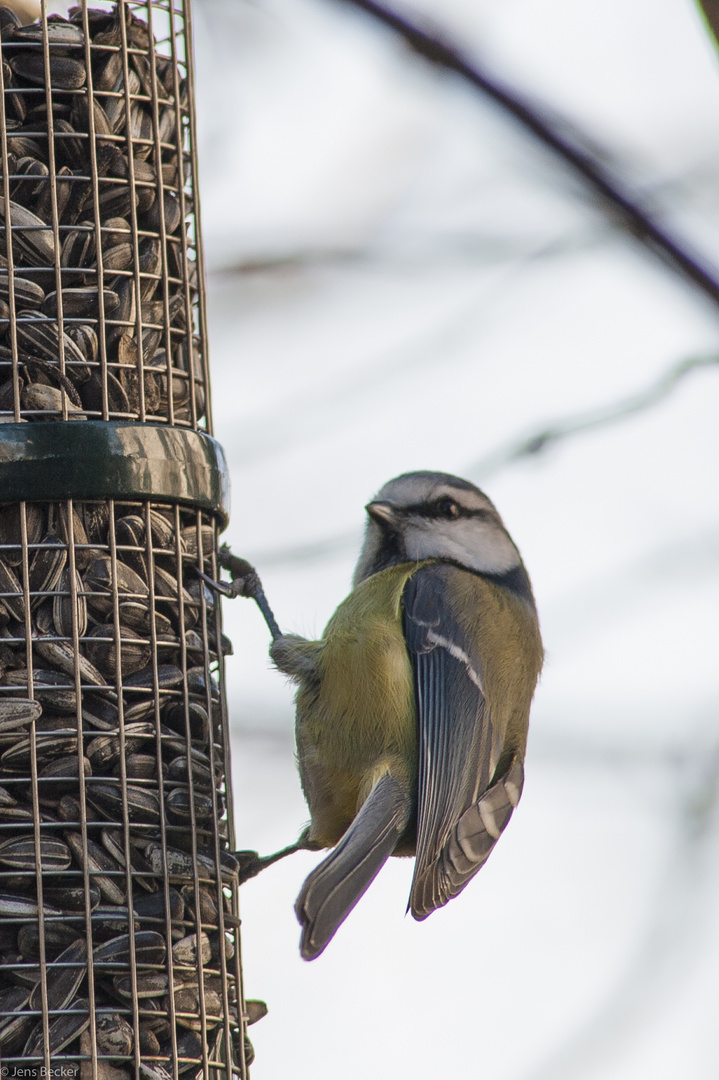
{"points": [[437, 510]]}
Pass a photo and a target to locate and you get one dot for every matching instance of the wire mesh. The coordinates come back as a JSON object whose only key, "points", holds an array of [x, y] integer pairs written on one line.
{"points": [[119, 946], [101, 311], [119, 952]]}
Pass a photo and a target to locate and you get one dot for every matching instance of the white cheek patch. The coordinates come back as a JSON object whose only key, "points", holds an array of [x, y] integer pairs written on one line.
{"points": [[478, 545], [458, 654]]}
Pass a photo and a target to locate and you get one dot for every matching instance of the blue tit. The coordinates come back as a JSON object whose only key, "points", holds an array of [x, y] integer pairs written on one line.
{"points": [[412, 709]]}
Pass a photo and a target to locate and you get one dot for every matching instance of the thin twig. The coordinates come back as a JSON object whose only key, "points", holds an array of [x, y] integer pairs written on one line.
{"points": [[612, 192], [514, 451], [573, 425]]}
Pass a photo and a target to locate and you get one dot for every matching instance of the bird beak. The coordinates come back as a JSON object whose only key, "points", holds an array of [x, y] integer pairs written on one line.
{"points": [[383, 513]]}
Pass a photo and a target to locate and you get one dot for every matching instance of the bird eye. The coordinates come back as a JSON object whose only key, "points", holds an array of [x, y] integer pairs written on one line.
{"points": [[448, 508]]}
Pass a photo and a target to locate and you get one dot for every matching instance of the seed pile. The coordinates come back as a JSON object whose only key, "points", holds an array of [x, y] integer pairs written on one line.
{"points": [[100, 274], [131, 923]]}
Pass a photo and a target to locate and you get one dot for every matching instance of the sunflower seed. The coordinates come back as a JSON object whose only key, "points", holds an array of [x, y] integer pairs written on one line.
{"points": [[6, 799], [61, 1032], [69, 809], [28, 294], [62, 655], [155, 1071], [199, 721], [11, 593], [19, 907], [101, 866], [63, 977], [111, 920], [9, 21], [57, 936], [204, 900], [19, 854], [149, 949], [16, 712], [152, 905], [78, 248], [187, 1007], [177, 863], [139, 767], [189, 540], [189, 1046], [31, 236], [102, 650], [72, 897], [78, 302], [62, 606], [180, 805], [52, 689], [147, 985], [103, 1070], [142, 804], [118, 258], [15, 815], [15, 1025], [185, 951], [57, 34], [100, 713], [103, 752], [200, 769], [47, 747], [149, 1042], [99, 582], [47, 564], [255, 1010], [38, 398], [86, 340], [65, 74], [61, 775], [167, 676], [114, 1035]]}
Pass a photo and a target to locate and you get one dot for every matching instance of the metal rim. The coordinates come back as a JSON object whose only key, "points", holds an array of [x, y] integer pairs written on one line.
{"points": [[101, 459]]}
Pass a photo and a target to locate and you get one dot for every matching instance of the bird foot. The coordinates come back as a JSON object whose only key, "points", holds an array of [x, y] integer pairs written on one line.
{"points": [[245, 582], [252, 863]]}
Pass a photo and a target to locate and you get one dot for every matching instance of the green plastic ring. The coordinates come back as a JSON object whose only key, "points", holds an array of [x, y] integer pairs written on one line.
{"points": [[98, 459]]}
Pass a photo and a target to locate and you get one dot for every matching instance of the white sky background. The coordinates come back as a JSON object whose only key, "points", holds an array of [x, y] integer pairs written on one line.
{"points": [[423, 285]]}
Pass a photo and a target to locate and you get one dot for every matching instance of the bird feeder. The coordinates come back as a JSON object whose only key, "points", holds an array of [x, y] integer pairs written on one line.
{"points": [[119, 948]]}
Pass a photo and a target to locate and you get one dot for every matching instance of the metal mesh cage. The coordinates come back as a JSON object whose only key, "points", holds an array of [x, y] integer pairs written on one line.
{"points": [[100, 309], [119, 948], [112, 788]]}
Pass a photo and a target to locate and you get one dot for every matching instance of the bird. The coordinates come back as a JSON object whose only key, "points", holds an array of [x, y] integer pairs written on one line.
{"points": [[412, 709]]}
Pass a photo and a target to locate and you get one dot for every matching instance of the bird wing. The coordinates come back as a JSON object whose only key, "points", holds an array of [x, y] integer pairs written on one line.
{"points": [[459, 815]]}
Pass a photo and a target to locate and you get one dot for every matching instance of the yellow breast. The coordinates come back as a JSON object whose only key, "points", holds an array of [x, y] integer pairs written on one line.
{"points": [[359, 717]]}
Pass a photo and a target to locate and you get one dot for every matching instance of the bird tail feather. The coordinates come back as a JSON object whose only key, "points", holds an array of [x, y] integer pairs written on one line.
{"points": [[335, 886]]}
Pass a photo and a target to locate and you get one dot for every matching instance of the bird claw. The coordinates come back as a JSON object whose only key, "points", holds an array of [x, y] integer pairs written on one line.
{"points": [[245, 579], [245, 582], [250, 864]]}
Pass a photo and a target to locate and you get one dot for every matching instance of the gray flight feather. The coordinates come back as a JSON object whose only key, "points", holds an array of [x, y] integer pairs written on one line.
{"points": [[458, 748], [334, 887]]}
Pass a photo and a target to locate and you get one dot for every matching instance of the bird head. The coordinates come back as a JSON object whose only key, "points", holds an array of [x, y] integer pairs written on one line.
{"points": [[428, 515]]}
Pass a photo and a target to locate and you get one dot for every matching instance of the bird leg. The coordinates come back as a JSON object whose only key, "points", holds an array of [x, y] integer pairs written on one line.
{"points": [[245, 582], [251, 863]]}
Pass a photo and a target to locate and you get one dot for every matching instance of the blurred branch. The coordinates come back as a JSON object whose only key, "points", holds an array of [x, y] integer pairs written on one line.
{"points": [[710, 10], [611, 191], [540, 440], [482, 248], [530, 446]]}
